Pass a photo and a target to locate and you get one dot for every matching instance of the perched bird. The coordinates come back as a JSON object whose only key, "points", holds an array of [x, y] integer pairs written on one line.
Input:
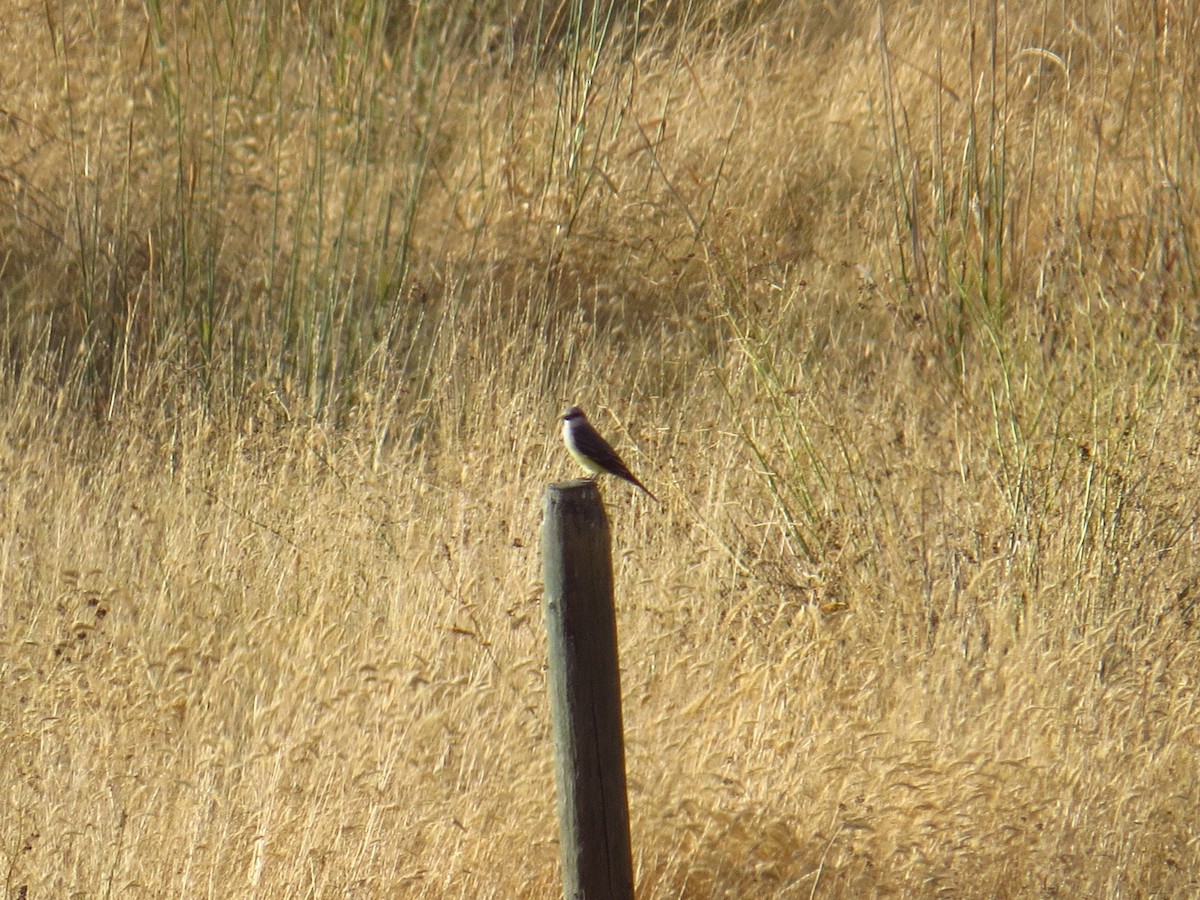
{"points": [[592, 451]]}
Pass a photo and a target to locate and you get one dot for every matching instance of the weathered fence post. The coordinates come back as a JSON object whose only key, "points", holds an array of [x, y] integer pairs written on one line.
{"points": [[585, 695]]}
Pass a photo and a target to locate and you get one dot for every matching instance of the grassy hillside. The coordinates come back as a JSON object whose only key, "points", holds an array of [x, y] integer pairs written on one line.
{"points": [[894, 305]]}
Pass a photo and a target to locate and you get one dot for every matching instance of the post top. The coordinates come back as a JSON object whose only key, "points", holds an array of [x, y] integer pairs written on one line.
{"points": [[578, 499], [575, 485]]}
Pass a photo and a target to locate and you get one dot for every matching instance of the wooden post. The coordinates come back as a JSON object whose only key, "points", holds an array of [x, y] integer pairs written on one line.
{"points": [[585, 695]]}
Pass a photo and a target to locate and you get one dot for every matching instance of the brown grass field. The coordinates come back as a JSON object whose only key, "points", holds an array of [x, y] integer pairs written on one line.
{"points": [[893, 304]]}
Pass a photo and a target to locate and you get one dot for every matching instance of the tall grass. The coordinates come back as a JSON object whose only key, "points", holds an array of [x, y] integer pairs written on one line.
{"points": [[893, 305]]}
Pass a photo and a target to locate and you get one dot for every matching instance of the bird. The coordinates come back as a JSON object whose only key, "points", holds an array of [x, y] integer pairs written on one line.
{"points": [[593, 452]]}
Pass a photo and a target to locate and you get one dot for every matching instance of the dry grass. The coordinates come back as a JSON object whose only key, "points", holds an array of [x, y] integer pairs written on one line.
{"points": [[903, 332]]}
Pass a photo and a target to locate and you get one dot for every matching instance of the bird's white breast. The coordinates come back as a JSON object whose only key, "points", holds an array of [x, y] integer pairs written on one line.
{"points": [[569, 439]]}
